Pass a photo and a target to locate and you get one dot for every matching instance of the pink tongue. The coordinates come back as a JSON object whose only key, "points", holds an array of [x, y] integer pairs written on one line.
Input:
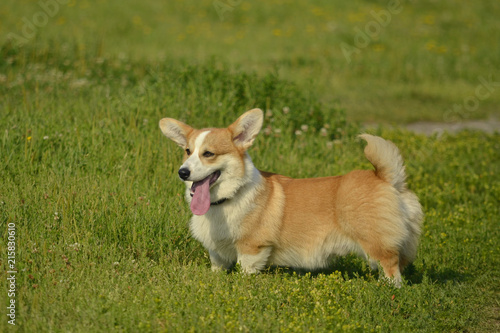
{"points": [[200, 203]]}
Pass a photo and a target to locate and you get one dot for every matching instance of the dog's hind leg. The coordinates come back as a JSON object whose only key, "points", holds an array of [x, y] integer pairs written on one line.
{"points": [[390, 264], [372, 263], [254, 262], [389, 260]]}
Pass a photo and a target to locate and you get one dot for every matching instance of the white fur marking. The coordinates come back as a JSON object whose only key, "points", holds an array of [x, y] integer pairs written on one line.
{"points": [[253, 263], [193, 163]]}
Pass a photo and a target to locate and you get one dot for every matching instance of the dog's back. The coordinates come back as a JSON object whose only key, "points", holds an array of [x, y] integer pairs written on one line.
{"points": [[371, 213]]}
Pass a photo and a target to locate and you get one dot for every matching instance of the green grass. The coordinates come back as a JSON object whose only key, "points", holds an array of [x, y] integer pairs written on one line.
{"points": [[102, 238], [430, 56], [90, 182]]}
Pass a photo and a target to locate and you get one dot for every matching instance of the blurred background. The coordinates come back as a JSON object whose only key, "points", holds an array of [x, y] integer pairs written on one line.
{"points": [[381, 61], [90, 181]]}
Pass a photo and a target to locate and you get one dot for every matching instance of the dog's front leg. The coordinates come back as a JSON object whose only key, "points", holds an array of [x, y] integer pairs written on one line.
{"points": [[219, 263], [254, 262]]}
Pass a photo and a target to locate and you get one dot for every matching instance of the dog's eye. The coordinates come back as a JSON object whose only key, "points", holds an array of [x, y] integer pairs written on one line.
{"points": [[188, 151], [208, 154]]}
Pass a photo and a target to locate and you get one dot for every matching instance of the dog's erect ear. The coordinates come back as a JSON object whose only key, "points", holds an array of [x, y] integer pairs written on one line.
{"points": [[246, 128], [176, 131]]}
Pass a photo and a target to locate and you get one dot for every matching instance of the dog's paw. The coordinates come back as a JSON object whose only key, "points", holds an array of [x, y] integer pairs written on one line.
{"points": [[394, 281]]}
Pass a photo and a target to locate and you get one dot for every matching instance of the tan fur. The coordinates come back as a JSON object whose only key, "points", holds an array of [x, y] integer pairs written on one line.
{"points": [[271, 219]]}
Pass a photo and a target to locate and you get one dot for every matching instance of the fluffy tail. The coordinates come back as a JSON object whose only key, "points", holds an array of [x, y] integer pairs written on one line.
{"points": [[388, 162]]}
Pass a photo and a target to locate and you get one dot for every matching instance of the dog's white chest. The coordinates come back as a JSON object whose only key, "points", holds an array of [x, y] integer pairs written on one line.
{"points": [[210, 232], [218, 230]]}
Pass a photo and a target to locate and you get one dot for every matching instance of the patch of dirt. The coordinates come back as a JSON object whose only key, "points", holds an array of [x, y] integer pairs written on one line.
{"points": [[429, 128]]}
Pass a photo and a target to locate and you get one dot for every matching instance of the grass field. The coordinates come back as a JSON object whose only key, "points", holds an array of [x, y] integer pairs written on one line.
{"points": [[89, 182], [415, 62]]}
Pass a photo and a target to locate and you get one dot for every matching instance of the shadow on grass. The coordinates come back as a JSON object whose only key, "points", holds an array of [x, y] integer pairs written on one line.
{"points": [[353, 267], [435, 275]]}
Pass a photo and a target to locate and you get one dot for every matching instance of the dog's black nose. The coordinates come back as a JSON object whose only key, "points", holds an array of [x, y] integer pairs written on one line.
{"points": [[184, 173]]}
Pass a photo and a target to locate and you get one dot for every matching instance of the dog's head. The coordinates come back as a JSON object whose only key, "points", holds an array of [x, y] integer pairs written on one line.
{"points": [[215, 159]]}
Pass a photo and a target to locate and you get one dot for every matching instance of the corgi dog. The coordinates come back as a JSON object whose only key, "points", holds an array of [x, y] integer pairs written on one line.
{"points": [[258, 219]]}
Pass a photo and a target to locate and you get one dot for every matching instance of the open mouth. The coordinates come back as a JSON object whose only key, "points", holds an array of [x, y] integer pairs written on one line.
{"points": [[210, 180], [200, 191]]}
